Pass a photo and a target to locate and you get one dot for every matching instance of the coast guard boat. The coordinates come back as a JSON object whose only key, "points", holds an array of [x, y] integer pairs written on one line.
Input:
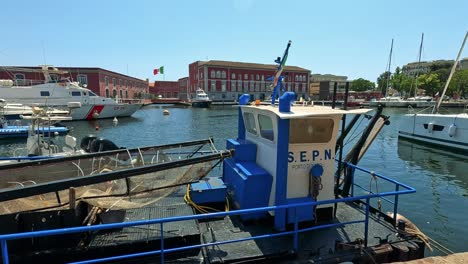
{"points": [[284, 193], [82, 102]]}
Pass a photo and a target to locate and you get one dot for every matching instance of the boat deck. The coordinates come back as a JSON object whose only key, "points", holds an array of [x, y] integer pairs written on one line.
{"points": [[323, 245]]}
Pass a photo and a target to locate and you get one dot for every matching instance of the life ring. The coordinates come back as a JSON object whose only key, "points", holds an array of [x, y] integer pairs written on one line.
{"points": [[95, 114]]}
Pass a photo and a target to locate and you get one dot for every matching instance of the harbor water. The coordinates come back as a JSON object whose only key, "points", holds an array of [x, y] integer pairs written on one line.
{"points": [[439, 207]]}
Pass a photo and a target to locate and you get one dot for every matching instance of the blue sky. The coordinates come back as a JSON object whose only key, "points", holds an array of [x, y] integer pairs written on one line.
{"points": [[340, 37]]}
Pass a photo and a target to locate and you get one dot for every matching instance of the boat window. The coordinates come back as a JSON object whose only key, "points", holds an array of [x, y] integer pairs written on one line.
{"points": [[249, 121], [266, 127], [312, 130], [435, 127], [45, 93], [76, 93], [92, 94]]}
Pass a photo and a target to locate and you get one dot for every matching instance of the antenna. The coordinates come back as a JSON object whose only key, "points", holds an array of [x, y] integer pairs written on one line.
{"points": [[388, 67], [43, 52]]}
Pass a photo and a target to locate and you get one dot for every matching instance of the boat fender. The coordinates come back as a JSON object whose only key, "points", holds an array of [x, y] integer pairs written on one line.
{"points": [[86, 142], [430, 127], [102, 144], [452, 130]]}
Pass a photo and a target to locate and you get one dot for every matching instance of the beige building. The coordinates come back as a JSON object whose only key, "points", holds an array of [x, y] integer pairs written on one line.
{"points": [[413, 68], [464, 63], [317, 79]]}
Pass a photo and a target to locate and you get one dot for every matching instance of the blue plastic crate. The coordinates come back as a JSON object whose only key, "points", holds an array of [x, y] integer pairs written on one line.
{"points": [[210, 190]]}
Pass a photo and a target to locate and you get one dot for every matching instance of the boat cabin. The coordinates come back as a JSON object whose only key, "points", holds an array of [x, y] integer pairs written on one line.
{"points": [[284, 154]]}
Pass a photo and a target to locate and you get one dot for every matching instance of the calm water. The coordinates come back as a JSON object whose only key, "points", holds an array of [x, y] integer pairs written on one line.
{"points": [[439, 208]]}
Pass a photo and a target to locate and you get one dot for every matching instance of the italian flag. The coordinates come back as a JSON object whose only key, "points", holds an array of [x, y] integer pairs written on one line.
{"points": [[159, 70]]}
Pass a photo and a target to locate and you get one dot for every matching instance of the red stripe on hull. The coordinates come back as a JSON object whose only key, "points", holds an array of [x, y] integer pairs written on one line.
{"points": [[96, 110]]}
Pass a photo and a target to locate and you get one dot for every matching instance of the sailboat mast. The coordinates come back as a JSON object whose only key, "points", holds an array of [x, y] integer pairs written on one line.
{"points": [[436, 109], [388, 68], [419, 66]]}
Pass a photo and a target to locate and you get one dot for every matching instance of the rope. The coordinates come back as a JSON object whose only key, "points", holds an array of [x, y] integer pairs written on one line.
{"points": [[374, 178], [201, 208], [351, 138]]}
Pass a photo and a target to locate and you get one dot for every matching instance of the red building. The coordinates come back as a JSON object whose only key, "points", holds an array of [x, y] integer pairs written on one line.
{"points": [[165, 89], [100, 81], [227, 80]]}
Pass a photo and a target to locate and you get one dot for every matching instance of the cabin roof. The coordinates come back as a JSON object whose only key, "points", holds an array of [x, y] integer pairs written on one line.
{"points": [[307, 111]]}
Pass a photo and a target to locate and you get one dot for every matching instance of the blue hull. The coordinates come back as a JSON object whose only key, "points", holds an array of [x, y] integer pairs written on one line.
{"points": [[22, 131]]}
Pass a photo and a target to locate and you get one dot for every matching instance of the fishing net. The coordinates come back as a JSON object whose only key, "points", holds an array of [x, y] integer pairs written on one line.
{"points": [[126, 191]]}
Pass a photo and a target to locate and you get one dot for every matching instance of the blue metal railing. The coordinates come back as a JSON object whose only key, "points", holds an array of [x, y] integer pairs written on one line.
{"points": [[295, 232]]}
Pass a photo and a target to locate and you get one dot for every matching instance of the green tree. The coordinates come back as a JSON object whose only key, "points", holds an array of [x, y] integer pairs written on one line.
{"points": [[382, 82], [402, 83], [430, 83], [459, 84], [362, 85], [443, 74]]}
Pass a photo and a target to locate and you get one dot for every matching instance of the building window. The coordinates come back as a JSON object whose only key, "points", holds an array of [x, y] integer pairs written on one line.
{"points": [[54, 77], [246, 76], [303, 87], [121, 93], [212, 74], [20, 79], [120, 83], [126, 93], [233, 86], [223, 75], [107, 93], [239, 86], [106, 80], [19, 76], [201, 75], [218, 74], [296, 78], [114, 93], [223, 86], [213, 86], [296, 88], [252, 85], [233, 76], [257, 77], [263, 77], [82, 79], [246, 86]]}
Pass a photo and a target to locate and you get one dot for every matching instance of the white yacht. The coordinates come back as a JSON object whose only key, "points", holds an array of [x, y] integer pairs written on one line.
{"points": [[437, 129], [201, 99], [83, 103]]}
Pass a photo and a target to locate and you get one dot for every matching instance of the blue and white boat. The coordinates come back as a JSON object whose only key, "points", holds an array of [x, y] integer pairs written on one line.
{"points": [[277, 198], [18, 131]]}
